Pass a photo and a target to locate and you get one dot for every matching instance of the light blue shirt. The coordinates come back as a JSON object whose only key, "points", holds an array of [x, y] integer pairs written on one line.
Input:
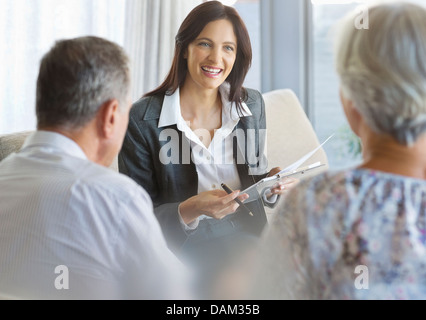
{"points": [[60, 209]]}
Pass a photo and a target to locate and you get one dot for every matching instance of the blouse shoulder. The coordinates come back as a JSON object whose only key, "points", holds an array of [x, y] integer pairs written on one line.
{"points": [[253, 95], [365, 190]]}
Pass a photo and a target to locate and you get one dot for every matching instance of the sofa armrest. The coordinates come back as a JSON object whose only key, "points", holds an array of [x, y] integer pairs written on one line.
{"points": [[10, 143]]}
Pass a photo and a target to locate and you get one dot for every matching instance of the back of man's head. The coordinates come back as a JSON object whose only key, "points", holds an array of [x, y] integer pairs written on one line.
{"points": [[76, 77]]}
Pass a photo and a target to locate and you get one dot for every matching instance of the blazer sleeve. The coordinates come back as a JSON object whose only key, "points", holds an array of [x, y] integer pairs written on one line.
{"points": [[137, 161], [269, 204], [256, 104]]}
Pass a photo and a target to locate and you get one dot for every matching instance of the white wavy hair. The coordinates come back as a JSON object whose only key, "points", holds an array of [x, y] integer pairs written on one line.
{"points": [[382, 69]]}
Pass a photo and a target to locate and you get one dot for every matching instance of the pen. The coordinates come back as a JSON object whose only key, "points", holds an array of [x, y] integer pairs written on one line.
{"points": [[229, 191]]}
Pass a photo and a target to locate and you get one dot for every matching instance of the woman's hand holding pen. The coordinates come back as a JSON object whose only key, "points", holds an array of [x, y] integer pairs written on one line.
{"points": [[216, 204], [284, 186]]}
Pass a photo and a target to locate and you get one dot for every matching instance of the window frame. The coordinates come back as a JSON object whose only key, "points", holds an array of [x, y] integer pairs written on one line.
{"points": [[286, 32]]}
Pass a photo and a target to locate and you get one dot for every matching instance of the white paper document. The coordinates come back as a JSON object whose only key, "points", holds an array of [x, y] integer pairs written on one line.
{"points": [[258, 189], [302, 160]]}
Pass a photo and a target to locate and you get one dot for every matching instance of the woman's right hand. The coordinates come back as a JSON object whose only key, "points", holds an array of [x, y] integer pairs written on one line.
{"points": [[216, 204]]}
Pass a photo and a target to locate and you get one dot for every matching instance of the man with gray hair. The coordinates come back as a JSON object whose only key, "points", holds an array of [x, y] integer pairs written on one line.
{"points": [[70, 228]]}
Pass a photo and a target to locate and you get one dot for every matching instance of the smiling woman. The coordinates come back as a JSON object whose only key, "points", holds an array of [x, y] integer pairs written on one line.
{"points": [[191, 30], [211, 56], [203, 92]]}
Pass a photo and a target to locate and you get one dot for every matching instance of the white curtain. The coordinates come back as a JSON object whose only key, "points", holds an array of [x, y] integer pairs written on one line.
{"points": [[29, 28], [150, 44]]}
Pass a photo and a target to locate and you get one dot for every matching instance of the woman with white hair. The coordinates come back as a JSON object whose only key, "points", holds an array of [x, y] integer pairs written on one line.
{"points": [[361, 233]]}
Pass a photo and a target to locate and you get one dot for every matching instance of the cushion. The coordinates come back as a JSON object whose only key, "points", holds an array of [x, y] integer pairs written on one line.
{"points": [[10, 143], [289, 131]]}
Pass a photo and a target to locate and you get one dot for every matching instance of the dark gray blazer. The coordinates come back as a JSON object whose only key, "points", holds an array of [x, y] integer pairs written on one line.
{"points": [[170, 184]]}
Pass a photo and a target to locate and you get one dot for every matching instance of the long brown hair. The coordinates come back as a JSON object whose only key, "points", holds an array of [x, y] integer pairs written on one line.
{"points": [[192, 26]]}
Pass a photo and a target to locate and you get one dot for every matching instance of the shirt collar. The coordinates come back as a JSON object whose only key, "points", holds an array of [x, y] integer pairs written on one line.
{"points": [[171, 110], [56, 141]]}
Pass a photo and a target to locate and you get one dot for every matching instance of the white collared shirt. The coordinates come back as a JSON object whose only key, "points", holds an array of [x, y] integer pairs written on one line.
{"points": [[215, 165], [58, 209]]}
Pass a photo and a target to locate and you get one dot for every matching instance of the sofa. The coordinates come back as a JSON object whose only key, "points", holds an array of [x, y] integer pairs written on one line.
{"points": [[11, 143], [290, 134]]}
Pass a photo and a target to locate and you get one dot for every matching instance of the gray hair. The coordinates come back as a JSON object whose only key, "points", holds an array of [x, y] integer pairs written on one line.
{"points": [[383, 69], [76, 77]]}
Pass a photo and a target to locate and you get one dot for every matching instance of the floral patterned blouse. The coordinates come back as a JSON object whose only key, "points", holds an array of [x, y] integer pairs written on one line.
{"points": [[357, 234]]}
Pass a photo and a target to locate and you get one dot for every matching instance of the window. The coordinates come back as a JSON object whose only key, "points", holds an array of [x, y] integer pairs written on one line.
{"points": [[27, 31], [326, 113], [249, 11], [325, 110]]}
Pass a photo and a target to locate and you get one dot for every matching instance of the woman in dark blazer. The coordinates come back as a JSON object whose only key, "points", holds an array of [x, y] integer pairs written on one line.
{"points": [[200, 129]]}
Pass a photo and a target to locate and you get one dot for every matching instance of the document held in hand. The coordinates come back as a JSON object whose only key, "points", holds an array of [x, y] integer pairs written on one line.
{"points": [[294, 170]]}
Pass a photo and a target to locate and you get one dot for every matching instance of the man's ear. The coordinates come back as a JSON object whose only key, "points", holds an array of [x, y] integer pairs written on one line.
{"points": [[107, 118]]}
